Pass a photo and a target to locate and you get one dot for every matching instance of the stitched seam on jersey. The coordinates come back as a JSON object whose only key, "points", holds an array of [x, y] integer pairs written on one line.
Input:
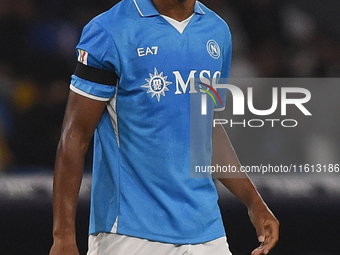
{"points": [[109, 35], [119, 187], [112, 109]]}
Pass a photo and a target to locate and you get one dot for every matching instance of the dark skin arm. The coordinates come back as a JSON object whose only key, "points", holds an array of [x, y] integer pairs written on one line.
{"points": [[81, 118], [265, 223]]}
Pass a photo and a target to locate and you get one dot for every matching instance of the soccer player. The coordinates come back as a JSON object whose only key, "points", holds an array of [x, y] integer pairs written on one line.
{"points": [[133, 88]]}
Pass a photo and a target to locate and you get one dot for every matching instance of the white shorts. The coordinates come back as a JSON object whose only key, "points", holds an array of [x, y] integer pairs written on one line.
{"points": [[115, 244]]}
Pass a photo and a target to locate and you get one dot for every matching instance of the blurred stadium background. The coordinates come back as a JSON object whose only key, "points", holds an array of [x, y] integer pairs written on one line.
{"points": [[287, 38]]}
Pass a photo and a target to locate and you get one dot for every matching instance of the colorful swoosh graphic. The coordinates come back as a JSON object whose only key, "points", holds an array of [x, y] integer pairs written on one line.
{"points": [[210, 93]]}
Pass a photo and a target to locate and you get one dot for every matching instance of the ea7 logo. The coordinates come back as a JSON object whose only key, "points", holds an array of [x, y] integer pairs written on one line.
{"points": [[147, 51]]}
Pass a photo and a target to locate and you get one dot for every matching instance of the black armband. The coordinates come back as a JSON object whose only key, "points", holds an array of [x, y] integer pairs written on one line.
{"points": [[96, 75]]}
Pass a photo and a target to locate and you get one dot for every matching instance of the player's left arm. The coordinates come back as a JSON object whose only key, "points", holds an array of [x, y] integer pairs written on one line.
{"points": [[267, 226]]}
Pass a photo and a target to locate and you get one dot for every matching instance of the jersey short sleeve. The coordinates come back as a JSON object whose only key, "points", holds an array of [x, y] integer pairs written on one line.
{"points": [[97, 50]]}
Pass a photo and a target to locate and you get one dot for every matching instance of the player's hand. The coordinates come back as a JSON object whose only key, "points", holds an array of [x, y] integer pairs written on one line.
{"points": [[267, 228], [60, 247]]}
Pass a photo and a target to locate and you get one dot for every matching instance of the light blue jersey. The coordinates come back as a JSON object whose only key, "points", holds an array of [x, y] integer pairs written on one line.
{"points": [[141, 167]]}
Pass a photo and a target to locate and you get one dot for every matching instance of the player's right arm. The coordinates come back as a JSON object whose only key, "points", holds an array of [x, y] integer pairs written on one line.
{"points": [[81, 118]]}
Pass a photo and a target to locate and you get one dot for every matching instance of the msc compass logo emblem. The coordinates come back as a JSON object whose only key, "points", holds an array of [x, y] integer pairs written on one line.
{"points": [[157, 84], [213, 49]]}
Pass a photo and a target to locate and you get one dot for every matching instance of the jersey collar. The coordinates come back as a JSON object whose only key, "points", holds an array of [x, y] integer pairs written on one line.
{"points": [[147, 9]]}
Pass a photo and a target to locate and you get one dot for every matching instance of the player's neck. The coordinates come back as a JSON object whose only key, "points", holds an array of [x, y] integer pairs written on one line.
{"points": [[176, 9]]}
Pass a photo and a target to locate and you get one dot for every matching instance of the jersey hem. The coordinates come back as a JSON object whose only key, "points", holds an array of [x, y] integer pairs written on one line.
{"points": [[173, 240], [163, 239], [83, 93]]}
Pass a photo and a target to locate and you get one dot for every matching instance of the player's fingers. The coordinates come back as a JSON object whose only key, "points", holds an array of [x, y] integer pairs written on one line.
{"points": [[263, 248], [261, 233], [258, 251], [272, 236]]}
